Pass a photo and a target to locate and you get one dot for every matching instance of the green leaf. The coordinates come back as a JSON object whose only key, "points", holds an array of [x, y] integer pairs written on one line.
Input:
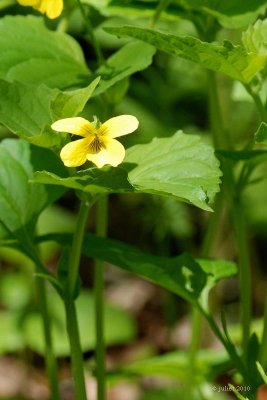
{"points": [[181, 275], [131, 58], [217, 269], [31, 53], [180, 166], [208, 365], [93, 180], [21, 201], [226, 58], [254, 38], [30, 116], [261, 133], [119, 325], [72, 102]]}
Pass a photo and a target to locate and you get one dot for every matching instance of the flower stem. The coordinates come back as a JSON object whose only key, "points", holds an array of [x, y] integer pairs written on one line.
{"points": [[75, 253], [90, 31], [50, 359], [196, 336], [69, 295], [220, 138], [101, 230], [244, 271], [75, 348]]}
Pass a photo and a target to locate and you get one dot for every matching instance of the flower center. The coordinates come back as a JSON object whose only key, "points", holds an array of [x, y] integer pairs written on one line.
{"points": [[96, 145]]}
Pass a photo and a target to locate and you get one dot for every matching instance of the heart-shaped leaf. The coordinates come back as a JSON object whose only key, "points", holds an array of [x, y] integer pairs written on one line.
{"points": [[180, 166]]}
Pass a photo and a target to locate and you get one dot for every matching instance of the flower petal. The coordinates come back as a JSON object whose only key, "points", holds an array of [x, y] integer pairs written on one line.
{"points": [[74, 153], [54, 8], [28, 2], [119, 126], [76, 126], [113, 154]]}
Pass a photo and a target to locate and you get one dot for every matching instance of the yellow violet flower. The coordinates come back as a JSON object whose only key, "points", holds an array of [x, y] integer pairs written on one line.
{"points": [[52, 8], [98, 144]]}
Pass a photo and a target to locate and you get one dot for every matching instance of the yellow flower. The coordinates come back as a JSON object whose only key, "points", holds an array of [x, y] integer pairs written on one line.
{"points": [[99, 144], [52, 8]]}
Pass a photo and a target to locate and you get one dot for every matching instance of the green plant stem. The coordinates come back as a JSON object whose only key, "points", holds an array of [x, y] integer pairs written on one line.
{"points": [[69, 295], [63, 25], [263, 347], [221, 140], [216, 126], [210, 232], [75, 254], [50, 359], [75, 348], [90, 31], [196, 316], [244, 271], [196, 335], [229, 347], [258, 103], [101, 230]]}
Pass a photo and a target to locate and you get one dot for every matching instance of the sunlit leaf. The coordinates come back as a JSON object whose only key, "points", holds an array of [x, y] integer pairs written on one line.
{"points": [[180, 166], [226, 58], [217, 269]]}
